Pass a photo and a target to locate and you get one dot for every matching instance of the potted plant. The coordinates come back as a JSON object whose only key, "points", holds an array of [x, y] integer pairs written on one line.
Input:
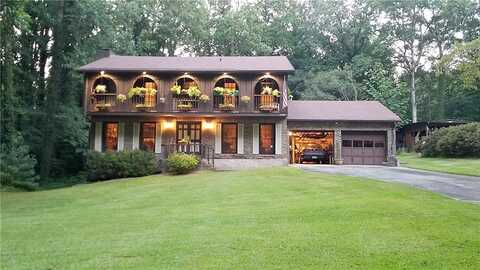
{"points": [[245, 99], [121, 98], [204, 98], [267, 99]]}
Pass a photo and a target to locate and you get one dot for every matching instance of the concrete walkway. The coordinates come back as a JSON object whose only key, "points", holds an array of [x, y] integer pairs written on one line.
{"points": [[455, 186]]}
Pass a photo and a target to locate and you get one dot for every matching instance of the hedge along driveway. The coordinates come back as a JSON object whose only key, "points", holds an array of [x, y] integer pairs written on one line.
{"points": [[280, 218]]}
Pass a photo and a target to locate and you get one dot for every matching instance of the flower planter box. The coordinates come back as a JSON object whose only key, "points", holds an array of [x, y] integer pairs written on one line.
{"points": [[184, 107], [103, 107]]}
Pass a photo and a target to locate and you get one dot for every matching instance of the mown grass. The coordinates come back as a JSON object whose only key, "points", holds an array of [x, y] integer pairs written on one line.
{"points": [[279, 218], [463, 166]]}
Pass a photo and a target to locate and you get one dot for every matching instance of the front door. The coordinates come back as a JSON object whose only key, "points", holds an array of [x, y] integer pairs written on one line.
{"points": [[189, 136]]}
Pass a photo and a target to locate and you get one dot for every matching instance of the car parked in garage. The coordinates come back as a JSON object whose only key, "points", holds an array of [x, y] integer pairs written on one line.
{"points": [[314, 155]]}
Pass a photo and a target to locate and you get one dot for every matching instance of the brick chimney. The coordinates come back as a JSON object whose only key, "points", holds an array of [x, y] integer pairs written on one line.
{"points": [[101, 53]]}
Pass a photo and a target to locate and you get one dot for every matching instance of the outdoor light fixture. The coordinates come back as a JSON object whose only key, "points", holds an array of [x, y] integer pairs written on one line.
{"points": [[144, 73], [102, 72], [268, 73], [168, 124], [208, 124], [186, 73], [224, 73]]}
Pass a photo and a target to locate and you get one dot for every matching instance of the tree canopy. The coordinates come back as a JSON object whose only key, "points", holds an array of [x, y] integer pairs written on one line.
{"points": [[419, 58]]}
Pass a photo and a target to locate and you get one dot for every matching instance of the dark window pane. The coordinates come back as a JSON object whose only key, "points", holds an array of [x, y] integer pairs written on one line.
{"points": [[357, 143], [367, 143], [147, 137], [267, 139], [347, 143], [229, 138], [379, 144], [110, 136]]}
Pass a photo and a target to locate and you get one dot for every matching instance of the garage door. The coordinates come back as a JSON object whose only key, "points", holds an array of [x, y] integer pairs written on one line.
{"points": [[363, 148]]}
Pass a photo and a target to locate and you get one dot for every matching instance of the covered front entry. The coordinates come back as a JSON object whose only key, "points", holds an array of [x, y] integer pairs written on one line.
{"points": [[363, 147], [311, 146]]}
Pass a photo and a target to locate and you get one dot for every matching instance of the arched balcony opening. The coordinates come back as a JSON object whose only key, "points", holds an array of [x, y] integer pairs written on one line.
{"points": [[186, 94], [144, 93], [267, 95], [225, 94], [104, 93]]}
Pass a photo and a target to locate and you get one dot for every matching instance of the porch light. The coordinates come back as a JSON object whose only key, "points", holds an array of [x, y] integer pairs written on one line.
{"points": [[225, 73], [186, 73], [208, 125], [102, 72], [268, 73], [144, 73], [168, 124]]}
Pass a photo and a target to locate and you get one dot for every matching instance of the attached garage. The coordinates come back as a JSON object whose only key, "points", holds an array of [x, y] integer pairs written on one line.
{"points": [[363, 148], [361, 132]]}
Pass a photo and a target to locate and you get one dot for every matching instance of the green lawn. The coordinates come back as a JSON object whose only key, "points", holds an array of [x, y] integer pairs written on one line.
{"points": [[465, 166], [280, 218]]}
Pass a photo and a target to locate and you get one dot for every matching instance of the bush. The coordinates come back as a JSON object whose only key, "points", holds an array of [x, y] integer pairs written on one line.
{"points": [[181, 163], [17, 166], [111, 165], [456, 141]]}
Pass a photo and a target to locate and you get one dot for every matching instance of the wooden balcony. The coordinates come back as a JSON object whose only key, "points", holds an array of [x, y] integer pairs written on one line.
{"points": [[266, 103], [260, 104], [226, 103]]}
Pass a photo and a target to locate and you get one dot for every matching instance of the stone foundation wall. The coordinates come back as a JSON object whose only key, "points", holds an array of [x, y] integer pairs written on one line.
{"points": [[247, 164]]}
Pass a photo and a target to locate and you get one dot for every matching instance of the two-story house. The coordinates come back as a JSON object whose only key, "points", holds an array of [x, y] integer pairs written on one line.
{"points": [[230, 110]]}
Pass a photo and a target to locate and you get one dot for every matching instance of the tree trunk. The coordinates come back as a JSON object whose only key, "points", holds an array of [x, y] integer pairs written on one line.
{"points": [[413, 97], [57, 75]]}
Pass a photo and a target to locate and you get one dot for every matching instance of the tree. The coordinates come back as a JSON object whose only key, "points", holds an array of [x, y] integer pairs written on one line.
{"points": [[465, 59], [407, 26]]}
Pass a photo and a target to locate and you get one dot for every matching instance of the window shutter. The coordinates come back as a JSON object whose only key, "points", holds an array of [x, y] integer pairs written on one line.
{"points": [[121, 136], [98, 137], [136, 136], [218, 139], [278, 138], [240, 138], [256, 140], [158, 138]]}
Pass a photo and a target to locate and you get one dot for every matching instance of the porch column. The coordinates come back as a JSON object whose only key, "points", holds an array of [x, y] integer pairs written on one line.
{"points": [[391, 159], [337, 144]]}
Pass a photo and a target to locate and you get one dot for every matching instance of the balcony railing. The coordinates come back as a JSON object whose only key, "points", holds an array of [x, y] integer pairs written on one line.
{"points": [[225, 103], [107, 102], [144, 102], [266, 103], [104, 101], [185, 104]]}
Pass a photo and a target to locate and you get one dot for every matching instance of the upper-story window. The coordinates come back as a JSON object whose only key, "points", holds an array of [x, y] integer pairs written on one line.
{"points": [[267, 95], [143, 93], [225, 94], [187, 94], [104, 92]]}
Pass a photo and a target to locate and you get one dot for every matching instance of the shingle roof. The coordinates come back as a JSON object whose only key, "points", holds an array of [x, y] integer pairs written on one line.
{"points": [[191, 64], [312, 110]]}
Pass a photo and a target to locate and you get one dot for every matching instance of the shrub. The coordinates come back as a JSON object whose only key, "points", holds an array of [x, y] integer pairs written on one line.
{"points": [[17, 166], [456, 141], [110, 165], [181, 163]]}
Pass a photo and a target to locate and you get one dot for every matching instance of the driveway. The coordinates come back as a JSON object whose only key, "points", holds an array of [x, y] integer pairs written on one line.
{"points": [[455, 186]]}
